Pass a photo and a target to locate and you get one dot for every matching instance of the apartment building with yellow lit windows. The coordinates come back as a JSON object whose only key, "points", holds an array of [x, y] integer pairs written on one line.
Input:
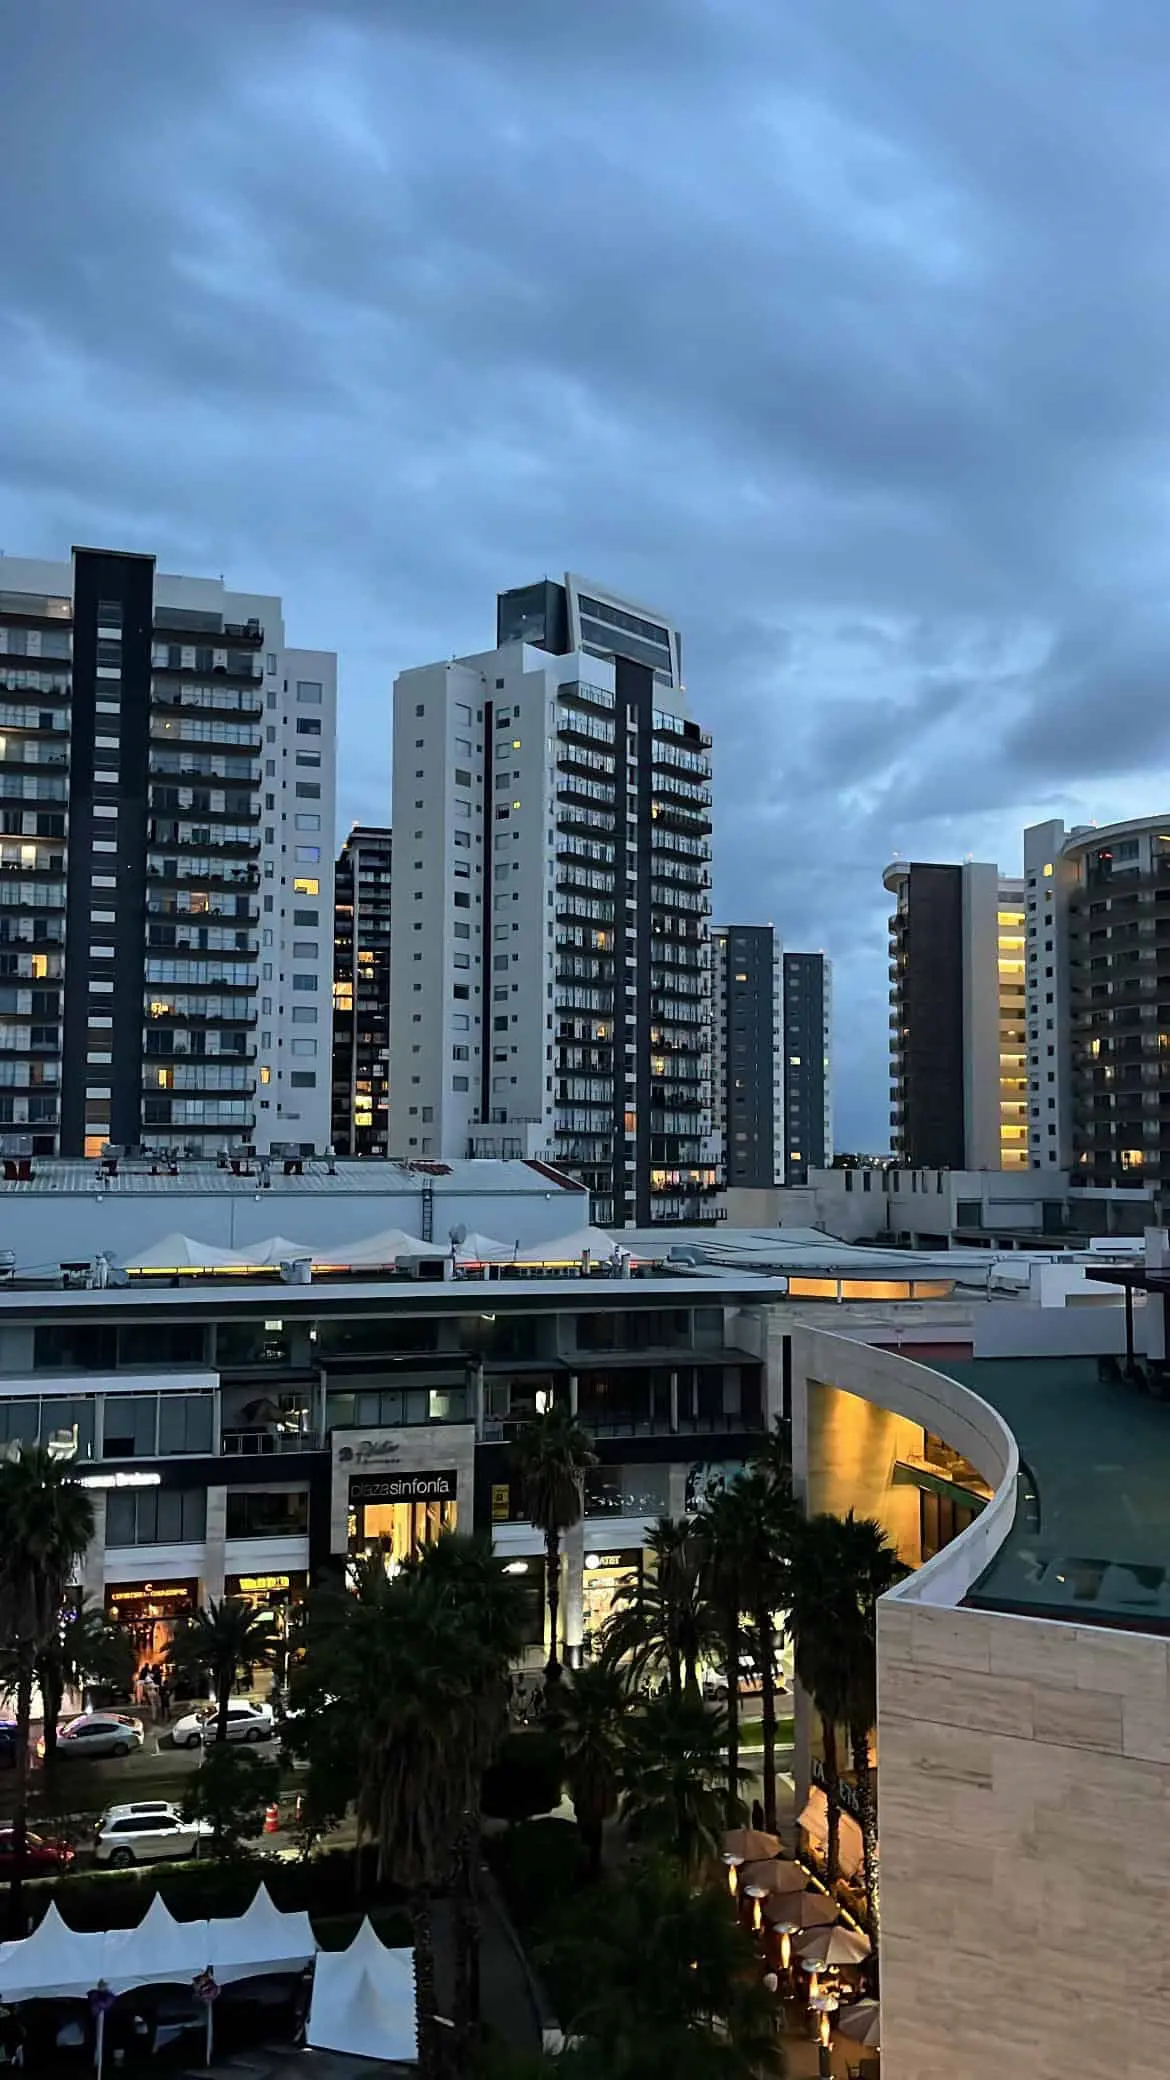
{"points": [[958, 1033], [166, 864]]}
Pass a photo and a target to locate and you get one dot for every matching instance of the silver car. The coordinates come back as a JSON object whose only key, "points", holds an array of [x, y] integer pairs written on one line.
{"points": [[96, 1734], [146, 1832]]}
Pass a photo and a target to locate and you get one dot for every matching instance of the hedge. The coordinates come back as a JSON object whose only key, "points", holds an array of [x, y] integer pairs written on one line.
{"points": [[207, 1890]]}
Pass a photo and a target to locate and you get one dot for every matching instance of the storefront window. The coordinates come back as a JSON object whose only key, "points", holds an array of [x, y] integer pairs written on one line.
{"points": [[400, 1513], [149, 1612], [627, 1491], [267, 1515], [604, 1574], [156, 1516], [529, 1573]]}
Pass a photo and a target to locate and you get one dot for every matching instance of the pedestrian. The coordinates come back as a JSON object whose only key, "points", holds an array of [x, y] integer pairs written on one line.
{"points": [[164, 1698], [757, 1816]]}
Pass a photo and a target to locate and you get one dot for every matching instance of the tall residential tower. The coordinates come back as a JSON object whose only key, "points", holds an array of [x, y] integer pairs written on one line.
{"points": [[166, 863], [361, 993], [550, 984], [772, 1085]]}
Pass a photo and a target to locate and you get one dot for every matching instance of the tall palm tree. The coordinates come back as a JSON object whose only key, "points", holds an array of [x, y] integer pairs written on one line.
{"points": [[553, 1455], [592, 1712], [221, 1641], [729, 1532], [674, 1794], [664, 1619], [46, 1523], [473, 1588], [869, 1567], [822, 1611], [83, 1648]]}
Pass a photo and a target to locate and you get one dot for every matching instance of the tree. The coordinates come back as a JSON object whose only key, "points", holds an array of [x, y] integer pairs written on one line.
{"points": [[553, 1455], [869, 1566], [220, 1642], [674, 1788], [232, 1790], [727, 1535], [771, 1518], [663, 1620], [46, 1523], [660, 1983], [822, 1614], [591, 1717], [84, 1648]]}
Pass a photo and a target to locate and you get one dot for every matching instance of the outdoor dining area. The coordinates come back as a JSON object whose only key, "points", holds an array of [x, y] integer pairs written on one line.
{"points": [[813, 1958]]}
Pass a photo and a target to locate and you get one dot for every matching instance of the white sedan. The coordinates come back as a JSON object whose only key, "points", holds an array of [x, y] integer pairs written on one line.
{"points": [[145, 1833], [245, 1722]]}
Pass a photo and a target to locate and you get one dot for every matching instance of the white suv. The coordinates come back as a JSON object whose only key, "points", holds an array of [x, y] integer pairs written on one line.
{"points": [[245, 1722], [145, 1833]]}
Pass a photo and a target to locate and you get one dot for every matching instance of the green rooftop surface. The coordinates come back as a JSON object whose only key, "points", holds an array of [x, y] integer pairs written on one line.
{"points": [[1091, 1537]]}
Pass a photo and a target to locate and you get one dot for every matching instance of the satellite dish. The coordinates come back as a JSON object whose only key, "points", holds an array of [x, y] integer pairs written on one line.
{"points": [[458, 1235]]}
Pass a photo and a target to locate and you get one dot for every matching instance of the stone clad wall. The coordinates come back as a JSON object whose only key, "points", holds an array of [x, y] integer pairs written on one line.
{"points": [[1025, 1848]]}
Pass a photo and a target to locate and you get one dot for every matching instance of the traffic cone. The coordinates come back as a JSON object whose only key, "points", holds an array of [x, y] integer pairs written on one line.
{"points": [[271, 1818]]}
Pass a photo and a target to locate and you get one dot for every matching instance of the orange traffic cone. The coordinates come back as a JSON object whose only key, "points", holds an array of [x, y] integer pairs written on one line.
{"points": [[271, 1818]]}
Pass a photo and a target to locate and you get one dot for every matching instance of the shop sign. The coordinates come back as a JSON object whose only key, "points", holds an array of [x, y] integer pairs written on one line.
{"points": [[612, 1563], [120, 1480], [369, 1452], [404, 1487], [259, 1584], [846, 1793], [153, 1592], [501, 1502]]}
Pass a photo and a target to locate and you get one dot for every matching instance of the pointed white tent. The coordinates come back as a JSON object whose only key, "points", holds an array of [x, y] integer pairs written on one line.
{"points": [[382, 1249], [159, 1950], [363, 2000], [483, 1249], [261, 1940], [183, 1253], [569, 1249], [275, 1249]]}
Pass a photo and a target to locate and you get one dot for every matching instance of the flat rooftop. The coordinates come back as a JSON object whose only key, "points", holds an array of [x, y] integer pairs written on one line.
{"points": [[1091, 1538]]}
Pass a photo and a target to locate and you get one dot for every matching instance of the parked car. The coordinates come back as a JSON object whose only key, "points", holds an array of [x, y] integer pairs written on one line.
{"points": [[45, 1856], [246, 1722], [7, 1744], [146, 1832], [96, 1734]]}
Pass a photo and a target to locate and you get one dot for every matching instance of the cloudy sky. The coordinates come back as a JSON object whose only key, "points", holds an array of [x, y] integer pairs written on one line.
{"points": [[839, 328]]}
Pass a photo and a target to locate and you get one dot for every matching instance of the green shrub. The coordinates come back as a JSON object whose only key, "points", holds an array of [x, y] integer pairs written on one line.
{"points": [[205, 1891], [536, 1864], [526, 1777]]}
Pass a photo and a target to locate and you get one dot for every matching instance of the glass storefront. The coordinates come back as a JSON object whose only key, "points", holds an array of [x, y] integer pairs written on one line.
{"points": [[400, 1513], [602, 1576], [280, 1595], [149, 1612]]}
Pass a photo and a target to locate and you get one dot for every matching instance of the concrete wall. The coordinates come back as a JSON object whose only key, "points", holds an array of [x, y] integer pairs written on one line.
{"points": [[1024, 1783]]}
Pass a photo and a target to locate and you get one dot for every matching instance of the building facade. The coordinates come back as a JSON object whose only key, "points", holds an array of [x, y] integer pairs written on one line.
{"points": [[550, 960], [361, 993], [1098, 935], [747, 1079], [958, 1047], [807, 1059], [167, 771]]}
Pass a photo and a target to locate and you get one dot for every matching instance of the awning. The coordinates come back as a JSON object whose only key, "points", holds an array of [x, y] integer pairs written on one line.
{"points": [[815, 1822], [363, 2000]]}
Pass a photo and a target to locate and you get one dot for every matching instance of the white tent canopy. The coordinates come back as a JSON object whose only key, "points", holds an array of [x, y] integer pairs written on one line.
{"points": [[275, 1249], [477, 1248], [383, 1248], [363, 2000], [183, 1253], [569, 1249], [56, 1962]]}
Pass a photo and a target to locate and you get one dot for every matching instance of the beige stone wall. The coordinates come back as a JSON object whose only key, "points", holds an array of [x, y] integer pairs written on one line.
{"points": [[1025, 1835]]}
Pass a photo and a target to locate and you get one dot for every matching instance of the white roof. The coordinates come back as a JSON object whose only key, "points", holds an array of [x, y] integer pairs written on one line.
{"points": [[363, 2000]]}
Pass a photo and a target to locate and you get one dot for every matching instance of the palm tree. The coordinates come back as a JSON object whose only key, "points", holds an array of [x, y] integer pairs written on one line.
{"points": [[728, 1537], [472, 1586], [220, 1642], [663, 1619], [870, 1566], [46, 1523], [674, 1790], [661, 1983], [592, 1712], [822, 1608], [553, 1455], [84, 1648]]}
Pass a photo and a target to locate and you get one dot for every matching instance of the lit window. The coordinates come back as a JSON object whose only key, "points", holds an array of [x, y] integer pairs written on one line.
{"points": [[1048, 872], [265, 1073], [306, 885]]}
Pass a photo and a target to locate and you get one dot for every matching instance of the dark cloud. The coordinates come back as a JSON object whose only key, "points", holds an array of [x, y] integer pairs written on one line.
{"points": [[841, 332]]}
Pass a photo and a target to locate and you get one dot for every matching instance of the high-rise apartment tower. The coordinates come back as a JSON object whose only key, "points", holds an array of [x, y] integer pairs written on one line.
{"points": [[550, 979], [166, 863], [361, 993]]}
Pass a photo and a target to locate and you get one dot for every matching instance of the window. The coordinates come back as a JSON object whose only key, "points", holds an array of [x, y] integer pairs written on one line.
{"points": [[309, 692], [304, 1015], [303, 1079], [308, 758], [462, 777], [185, 1422], [308, 855], [307, 726], [463, 838], [306, 949], [267, 1515], [131, 1426], [305, 885], [156, 1516], [303, 1047], [307, 822], [459, 1083], [304, 982], [309, 790], [306, 916]]}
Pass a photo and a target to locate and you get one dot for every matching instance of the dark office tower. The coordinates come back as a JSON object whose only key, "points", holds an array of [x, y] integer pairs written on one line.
{"points": [[807, 1084], [747, 1107], [166, 782], [361, 994]]}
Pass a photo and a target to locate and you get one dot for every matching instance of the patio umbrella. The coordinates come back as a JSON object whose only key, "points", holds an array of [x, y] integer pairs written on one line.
{"points": [[863, 2023], [745, 1844], [772, 1874], [793, 1910], [829, 1946]]}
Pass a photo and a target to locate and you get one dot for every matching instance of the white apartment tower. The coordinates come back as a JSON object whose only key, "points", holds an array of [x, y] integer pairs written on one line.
{"points": [[550, 984], [166, 863]]}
